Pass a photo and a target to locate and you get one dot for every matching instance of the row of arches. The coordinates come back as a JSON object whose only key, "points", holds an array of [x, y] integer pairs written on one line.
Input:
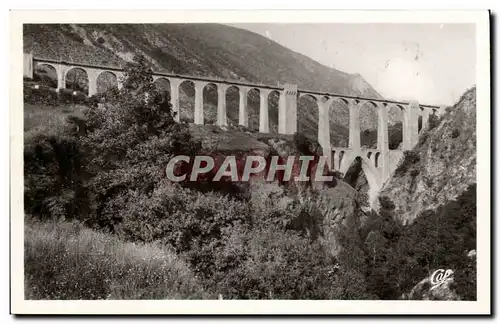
{"points": [[366, 116], [74, 78], [242, 105], [339, 114], [339, 162]]}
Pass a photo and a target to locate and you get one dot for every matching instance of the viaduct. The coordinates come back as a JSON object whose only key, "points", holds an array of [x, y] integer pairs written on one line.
{"points": [[377, 164]]}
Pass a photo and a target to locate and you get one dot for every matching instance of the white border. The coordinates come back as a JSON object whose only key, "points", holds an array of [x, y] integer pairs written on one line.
{"points": [[482, 306]]}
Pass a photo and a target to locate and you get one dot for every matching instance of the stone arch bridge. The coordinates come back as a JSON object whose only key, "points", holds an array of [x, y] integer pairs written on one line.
{"points": [[377, 164]]}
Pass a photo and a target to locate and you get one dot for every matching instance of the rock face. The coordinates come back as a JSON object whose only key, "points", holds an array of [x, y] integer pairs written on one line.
{"points": [[446, 163], [428, 290], [440, 285]]}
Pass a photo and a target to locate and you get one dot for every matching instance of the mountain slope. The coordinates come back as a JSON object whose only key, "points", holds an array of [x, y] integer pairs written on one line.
{"points": [[207, 50], [444, 163]]}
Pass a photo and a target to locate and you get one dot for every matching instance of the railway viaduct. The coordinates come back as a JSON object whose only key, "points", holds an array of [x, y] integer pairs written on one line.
{"points": [[377, 164]]}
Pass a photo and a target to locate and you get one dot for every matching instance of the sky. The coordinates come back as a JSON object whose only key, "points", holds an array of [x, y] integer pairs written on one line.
{"points": [[431, 63]]}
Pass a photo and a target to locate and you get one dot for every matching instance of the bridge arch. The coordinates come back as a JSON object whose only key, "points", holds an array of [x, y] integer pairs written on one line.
{"points": [[253, 108], [367, 127], [232, 96], [377, 157], [162, 83], [373, 175], [307, 114], [338, 108], [210, 101], [396, 129], [77, 79], [187, 95], [106, 80], [273, 101], [46, 74]]}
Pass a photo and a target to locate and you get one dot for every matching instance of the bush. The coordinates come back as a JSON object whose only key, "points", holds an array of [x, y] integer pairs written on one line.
{"points": [[455, 133], [274, 264], [43, 95], [54, 176], [67, 96], [434, 121]]}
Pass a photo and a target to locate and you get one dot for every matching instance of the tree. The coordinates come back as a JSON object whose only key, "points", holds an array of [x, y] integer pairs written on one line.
{"points": [[131, 140]]}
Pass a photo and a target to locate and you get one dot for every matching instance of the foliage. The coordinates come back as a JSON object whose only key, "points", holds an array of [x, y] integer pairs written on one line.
{"points": [[398, 256], [67, 96], [43, 95], [434, 121], [49, 96], [54, 175], [132, 139], [455, 133]]}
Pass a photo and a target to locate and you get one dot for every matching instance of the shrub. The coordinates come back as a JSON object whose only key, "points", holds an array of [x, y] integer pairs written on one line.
{"points": [[53, 175], [274, 264], [455, 133], [434, 121], [43, 95], [67, 96]]}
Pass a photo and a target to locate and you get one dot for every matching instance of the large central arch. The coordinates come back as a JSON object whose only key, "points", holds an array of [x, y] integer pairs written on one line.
{"points": [[372, 173]]}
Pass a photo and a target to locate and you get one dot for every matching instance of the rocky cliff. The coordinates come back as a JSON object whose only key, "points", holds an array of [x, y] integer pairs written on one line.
{"points": [[443, 163]]}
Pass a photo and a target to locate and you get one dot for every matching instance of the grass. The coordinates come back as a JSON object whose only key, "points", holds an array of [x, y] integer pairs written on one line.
{"points": [[65, 260], [43, 117]]}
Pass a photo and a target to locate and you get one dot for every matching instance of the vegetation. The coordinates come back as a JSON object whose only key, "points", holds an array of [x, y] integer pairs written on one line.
{"points": [[110, 176], [103, 171], [65, 260], [398, 256]]}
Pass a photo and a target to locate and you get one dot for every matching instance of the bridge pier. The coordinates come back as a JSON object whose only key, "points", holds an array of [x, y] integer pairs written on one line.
{"points": [[264, 111], [174, 97], [92, 78], [119, 79], [221, 105], [287, 123], [383, 143], [28, 65], [410, 125], [354, 128], [324, 129], [61, 77], [425, 118], [242, 112], [198, 102]]}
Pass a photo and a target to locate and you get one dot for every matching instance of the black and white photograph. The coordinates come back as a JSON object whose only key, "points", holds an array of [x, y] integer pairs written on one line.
{"points": [[164, 160]]}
